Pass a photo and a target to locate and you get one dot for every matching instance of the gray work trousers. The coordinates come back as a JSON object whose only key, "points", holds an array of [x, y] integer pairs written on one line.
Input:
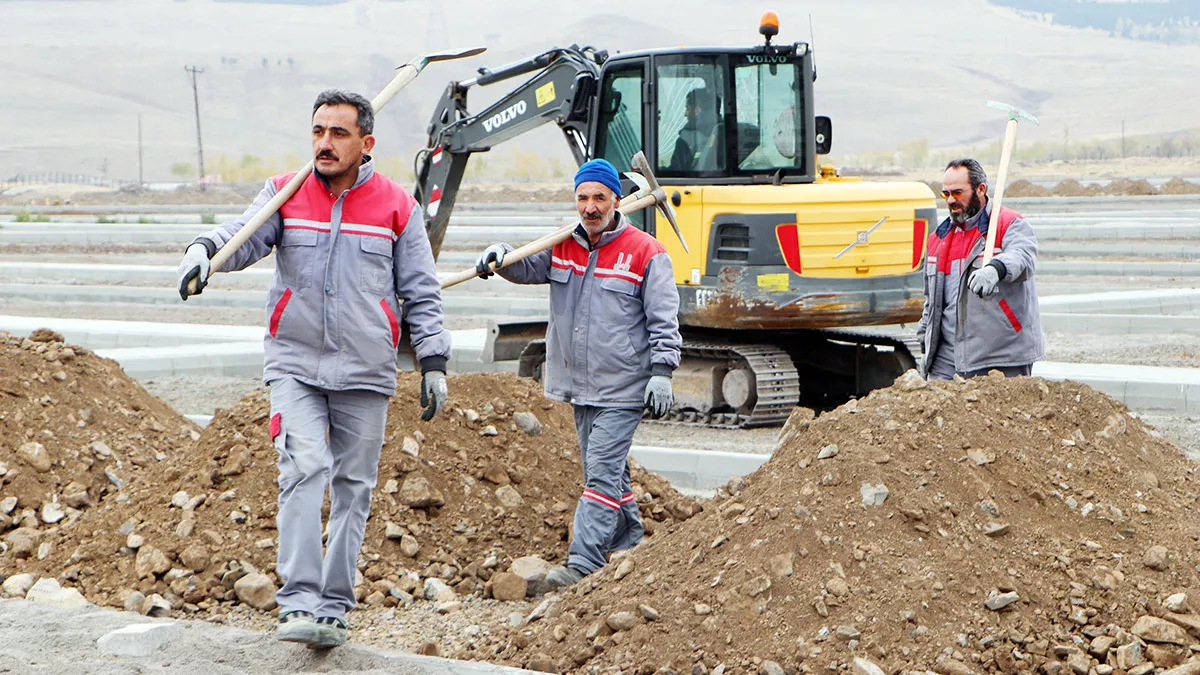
{"points": [[943, 369], [325, 440], [607, 517]]}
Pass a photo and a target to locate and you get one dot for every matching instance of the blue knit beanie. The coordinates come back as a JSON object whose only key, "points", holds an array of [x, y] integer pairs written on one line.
{"points": [[600, 171]]}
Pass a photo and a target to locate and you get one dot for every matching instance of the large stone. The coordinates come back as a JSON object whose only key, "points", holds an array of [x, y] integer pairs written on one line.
{"points": [[394, 531], [418, 493], [1127, 656], [409, 545], [533, 570], [156, 605], [619, 621], [1189, 622], [781, 565], [35, 456], [195, 557], [998, 601], [52, 513], [508, 587], [873, 495], [256, 590], [1154, 629], [528, 423], [861, 666], [18, 585], [1157, 558], [47, 592], [509, 497], [137, 640], [437, 590], [23, 541], [496, 473], [8, 505], [151, 562], [1190, 668]]}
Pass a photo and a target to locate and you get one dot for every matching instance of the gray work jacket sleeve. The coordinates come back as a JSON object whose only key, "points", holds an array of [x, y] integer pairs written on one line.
{"points": [[660, 302], [533, 270], [260, 243], [418, 287], [1020, 251]]}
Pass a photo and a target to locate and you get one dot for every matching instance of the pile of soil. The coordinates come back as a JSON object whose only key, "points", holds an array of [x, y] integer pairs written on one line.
{"points": [[75, 431], [1179, 186], [1024, 188], [1073, 188], [494, 478], [990, 525], [1127, 187]]}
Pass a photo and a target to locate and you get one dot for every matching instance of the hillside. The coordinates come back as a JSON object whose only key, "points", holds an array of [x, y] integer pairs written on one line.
{"points": [[888, 73]]}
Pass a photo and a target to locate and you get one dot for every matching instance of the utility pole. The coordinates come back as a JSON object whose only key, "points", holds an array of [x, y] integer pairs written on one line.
{"points": [[141, 176], [1122, 139], [193, 71]]}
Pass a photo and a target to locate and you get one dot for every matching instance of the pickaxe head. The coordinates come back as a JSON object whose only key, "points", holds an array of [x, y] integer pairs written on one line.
{"points": [[639, 162], [1013, 111], [445, 55]]}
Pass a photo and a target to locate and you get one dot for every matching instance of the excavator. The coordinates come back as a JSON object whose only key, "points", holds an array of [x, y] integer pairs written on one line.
{"points": [[797, 280]]}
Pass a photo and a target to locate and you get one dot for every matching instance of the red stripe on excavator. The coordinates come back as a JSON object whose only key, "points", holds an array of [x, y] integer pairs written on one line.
{"points": [[920, 226], [788, 235]]}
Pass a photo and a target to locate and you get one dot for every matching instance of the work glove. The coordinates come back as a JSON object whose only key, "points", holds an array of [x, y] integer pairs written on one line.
{"points": [[195, 265], [659, 396], [492, 254], [984, 280], [433, 393]]}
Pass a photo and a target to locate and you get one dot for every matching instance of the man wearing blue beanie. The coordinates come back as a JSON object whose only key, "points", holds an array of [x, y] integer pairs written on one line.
{"points": [[611, 347]]}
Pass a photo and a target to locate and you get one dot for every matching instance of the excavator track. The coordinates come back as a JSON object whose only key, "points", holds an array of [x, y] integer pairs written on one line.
{"points": [[774, 377]]}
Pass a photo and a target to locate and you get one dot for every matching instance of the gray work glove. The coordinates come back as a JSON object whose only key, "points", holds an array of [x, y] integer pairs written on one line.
{"points": [[195, 265], [659, 396], [492, 254], [433, 393], [984, 280]]}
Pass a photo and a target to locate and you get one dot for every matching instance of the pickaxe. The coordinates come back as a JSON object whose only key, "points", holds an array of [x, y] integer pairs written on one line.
{"points": [[650, 193], [408, 73], [1010, 139]]}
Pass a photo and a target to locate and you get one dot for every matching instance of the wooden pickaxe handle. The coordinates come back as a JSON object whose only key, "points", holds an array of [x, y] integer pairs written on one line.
{"points": [[549, 241], [1010, 139]]}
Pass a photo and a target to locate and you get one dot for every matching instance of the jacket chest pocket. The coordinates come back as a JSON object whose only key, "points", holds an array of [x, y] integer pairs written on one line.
{"points": [[559, 275], [621, 316], [376, 265], [296, 257]]}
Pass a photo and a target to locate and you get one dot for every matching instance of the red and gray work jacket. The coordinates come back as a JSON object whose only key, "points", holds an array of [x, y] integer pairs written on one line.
{"points": [[342, 264], [1001, 330], [613, 315]]}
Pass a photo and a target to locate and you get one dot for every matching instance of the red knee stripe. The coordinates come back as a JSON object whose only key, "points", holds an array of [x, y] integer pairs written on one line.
{"points": [[601, 499], [627, 498]]}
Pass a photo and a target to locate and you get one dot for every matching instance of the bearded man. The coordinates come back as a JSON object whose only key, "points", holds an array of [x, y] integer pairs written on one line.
{"points": [[978, 317]]}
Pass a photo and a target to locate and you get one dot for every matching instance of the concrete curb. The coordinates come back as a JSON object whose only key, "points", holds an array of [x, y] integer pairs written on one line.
{"points": [[1119, 324], [1117, 268], [1159, 301], [1142, 388]]}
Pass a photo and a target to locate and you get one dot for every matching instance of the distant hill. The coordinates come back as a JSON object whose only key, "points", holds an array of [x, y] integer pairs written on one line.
{"points": [[77, 74], [1155, 20]]}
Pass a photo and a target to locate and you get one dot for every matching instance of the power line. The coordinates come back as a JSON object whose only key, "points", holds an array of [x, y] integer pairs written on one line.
{"points": [[193, 72]]}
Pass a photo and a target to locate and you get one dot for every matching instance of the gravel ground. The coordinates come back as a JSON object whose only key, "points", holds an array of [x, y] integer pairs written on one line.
{"points": [[1170, 350], [40, 638]]}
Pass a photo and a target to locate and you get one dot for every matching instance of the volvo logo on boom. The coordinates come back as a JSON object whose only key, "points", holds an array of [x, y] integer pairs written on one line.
{"points": [[505, 116]]}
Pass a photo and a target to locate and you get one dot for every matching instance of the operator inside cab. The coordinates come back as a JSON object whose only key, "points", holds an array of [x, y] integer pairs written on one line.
{"points": [[700, 137]]}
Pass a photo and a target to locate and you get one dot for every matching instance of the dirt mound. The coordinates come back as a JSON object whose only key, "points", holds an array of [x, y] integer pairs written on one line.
{"points": [[1179, 186], [890, 528], [74, 429], [1127, 187], [493, 479], [1024, 188], [1073, 188]]}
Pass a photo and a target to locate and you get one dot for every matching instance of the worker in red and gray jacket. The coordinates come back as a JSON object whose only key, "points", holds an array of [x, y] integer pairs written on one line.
{"points": [[349, 246], [979, 318], [611, 347]]}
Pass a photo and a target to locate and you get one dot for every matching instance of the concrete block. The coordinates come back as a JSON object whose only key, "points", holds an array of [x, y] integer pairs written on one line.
{"points": [[138, 640]]}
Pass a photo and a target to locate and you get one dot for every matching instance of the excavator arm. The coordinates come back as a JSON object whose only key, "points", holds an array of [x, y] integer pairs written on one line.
{"points": [[562, 91]]}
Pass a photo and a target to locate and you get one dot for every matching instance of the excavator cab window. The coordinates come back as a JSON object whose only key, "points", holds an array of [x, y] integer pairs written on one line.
{"points": [[620, 119], [620, 116], [691, 115], [770, 118]]}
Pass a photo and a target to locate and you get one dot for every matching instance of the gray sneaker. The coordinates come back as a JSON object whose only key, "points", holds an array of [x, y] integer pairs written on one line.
{"points": [[561, 577], [331, 632], [296, 626]]}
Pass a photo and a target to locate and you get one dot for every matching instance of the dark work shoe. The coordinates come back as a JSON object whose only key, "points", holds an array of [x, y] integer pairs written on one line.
{"points": [[296, 626], [331, 632], [561, 577]]}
